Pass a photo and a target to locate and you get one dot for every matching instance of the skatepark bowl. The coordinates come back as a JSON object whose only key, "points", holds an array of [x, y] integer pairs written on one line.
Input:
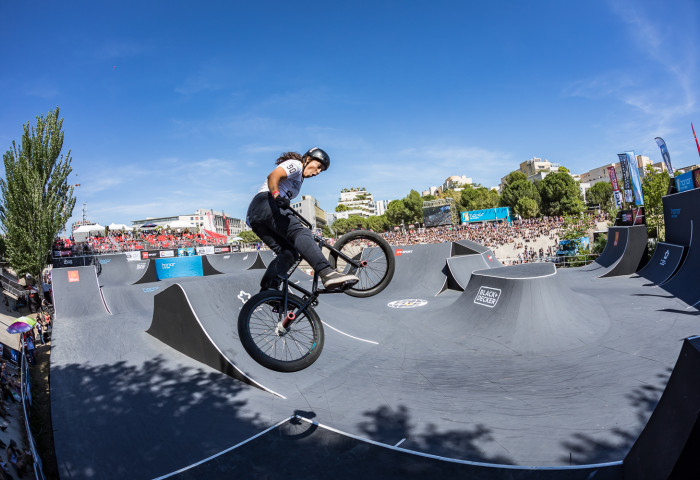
{"points": [[461, 368]]}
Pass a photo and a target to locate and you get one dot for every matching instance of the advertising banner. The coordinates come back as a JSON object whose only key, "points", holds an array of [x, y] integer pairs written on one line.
{"points": [[696, 177], [634, 176], [684, 182], [487, 215], [625, 176], [223, 249], [666, 156], [616, 188], [153, 254], [437, 215], [206, 250], [179, 267]]}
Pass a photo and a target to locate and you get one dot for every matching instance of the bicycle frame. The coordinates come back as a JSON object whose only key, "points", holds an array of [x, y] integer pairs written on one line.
{"points": [[310, 297]]}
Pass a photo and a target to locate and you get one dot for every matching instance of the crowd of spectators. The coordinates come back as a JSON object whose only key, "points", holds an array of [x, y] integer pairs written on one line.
{"points": [[520, 235], [488, 234], [118, 241]]}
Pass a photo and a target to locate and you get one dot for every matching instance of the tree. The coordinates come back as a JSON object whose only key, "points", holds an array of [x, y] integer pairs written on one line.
{"points": [[513, 192], [654, 187], [414, 206], [527, 207], [249, 236], [514, 176], [600, 194], [478, 198], [378, 223], [341, 208], [396, 212], [36, 199], [560, 195]]}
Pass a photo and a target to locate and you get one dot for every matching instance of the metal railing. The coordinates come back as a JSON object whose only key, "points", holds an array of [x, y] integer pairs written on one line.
{"points": [[26, 405]]}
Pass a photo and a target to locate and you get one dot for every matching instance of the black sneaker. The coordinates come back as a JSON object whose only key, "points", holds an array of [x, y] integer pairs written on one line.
{"points": [[335, 280]]}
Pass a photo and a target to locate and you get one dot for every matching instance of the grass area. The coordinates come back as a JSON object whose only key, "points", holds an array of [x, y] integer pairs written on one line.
{"points": [[40, 424]]}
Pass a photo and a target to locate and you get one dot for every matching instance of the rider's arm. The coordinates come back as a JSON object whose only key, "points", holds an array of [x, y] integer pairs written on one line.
{"points": [[274, 179]]}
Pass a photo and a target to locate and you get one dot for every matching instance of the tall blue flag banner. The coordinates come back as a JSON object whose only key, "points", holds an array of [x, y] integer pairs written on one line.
{"points": [[666, 156], [625, 176], [634, 176]]}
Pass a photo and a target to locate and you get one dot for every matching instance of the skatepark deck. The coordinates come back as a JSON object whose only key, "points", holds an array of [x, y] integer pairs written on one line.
{"points": [[530, 372]]}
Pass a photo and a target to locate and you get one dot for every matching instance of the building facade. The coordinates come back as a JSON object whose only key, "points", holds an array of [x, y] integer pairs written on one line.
{"points": [[309, 208], [356, 201], [201, 219], [601, 174]]}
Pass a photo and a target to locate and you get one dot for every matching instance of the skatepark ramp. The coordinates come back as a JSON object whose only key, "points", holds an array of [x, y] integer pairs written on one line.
{"points": [[527, 309], [664, 263], [233, 262], [76, 292], [669, 444], [115, 270], [467, 257], [625, 252]]}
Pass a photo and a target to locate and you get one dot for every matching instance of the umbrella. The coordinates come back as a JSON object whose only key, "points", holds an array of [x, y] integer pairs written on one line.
{"points": [[19, 327], [28, 320]]}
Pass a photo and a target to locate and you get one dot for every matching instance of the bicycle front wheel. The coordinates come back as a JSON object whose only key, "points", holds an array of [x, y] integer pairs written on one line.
{"points": [[374, 256], [287, 349]]}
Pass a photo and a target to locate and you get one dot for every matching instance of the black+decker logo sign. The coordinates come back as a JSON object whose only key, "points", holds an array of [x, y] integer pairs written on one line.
{"points": [[487, 296]]}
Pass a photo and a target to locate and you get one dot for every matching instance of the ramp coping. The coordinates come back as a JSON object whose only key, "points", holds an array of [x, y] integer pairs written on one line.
{"points": [[194, 312], [455, 460], [389, 447], [240, 444]]}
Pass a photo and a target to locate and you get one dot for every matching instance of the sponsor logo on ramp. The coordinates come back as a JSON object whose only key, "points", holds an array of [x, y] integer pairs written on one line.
{"points": [[487, 296], [401, 251], [73, 276], [408, 303], [150, 289], [244, 296], [662, 262], [105, 261], [617, 237], [141, 266]]}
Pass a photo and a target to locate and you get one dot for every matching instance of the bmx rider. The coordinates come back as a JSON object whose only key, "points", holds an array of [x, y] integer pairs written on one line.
{"points": [[271, 219]]}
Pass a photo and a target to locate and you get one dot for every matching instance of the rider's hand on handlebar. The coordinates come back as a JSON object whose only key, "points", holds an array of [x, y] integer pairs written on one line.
{"points": [[282, 201]]}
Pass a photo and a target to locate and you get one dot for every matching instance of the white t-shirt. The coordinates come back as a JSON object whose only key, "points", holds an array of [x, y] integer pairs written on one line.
{"points": [[291, 185]]}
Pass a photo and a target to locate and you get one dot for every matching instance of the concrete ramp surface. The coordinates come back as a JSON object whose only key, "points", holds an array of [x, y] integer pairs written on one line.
{"points": [[76, 292], [235, 262], [664, 263]]}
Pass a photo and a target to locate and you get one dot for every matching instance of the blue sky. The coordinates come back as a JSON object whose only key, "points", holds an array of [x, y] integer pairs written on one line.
{"points": [[173, 106]]}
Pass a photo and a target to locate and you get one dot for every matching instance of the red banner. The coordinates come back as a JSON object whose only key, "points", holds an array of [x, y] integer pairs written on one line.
{"points": [[616, 189]]}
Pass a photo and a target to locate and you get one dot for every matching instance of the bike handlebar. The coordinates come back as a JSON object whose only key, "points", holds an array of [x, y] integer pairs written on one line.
{"points": [[302, 219]]}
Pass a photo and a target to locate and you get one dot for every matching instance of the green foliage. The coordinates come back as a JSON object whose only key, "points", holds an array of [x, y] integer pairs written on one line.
{"points": [[414, 206], [514, 176], [560, 195], [397, 213], [429, 198], [478, 198], [341, 208], [563, 169], [599, 244], [3, 246], [527, 207], [378, 223], [654, 187], [344, 225], [36, 199], [600, 194], [249, 236], [513, 192]]}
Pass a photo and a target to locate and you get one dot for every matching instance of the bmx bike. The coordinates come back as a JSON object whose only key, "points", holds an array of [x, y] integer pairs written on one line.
{"points": [[282, 331]]}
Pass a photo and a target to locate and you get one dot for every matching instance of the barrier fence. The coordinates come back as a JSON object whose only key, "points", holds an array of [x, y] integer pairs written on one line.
{"points": [[26, 395]]}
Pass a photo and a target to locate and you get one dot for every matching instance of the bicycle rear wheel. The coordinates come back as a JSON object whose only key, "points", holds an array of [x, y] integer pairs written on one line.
{"points": [[375, 257], [283, 351]]}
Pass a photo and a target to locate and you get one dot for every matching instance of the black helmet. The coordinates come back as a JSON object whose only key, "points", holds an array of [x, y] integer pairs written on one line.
{"points": [[320, 155]]}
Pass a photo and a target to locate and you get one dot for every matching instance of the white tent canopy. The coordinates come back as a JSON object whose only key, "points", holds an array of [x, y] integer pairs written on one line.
{"points": [[118, 226], [89, 228], [180, 224]]}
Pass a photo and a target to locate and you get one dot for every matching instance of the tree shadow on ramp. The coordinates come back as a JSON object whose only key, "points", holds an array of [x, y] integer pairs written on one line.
{"points": [[587, 449], [141, 421]]}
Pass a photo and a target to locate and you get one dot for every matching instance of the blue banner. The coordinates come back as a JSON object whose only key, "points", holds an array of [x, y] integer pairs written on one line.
{"points": [[179, 267], [666, 156], [624, 169], [684, 182], [636, 180], [488, 215]]}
